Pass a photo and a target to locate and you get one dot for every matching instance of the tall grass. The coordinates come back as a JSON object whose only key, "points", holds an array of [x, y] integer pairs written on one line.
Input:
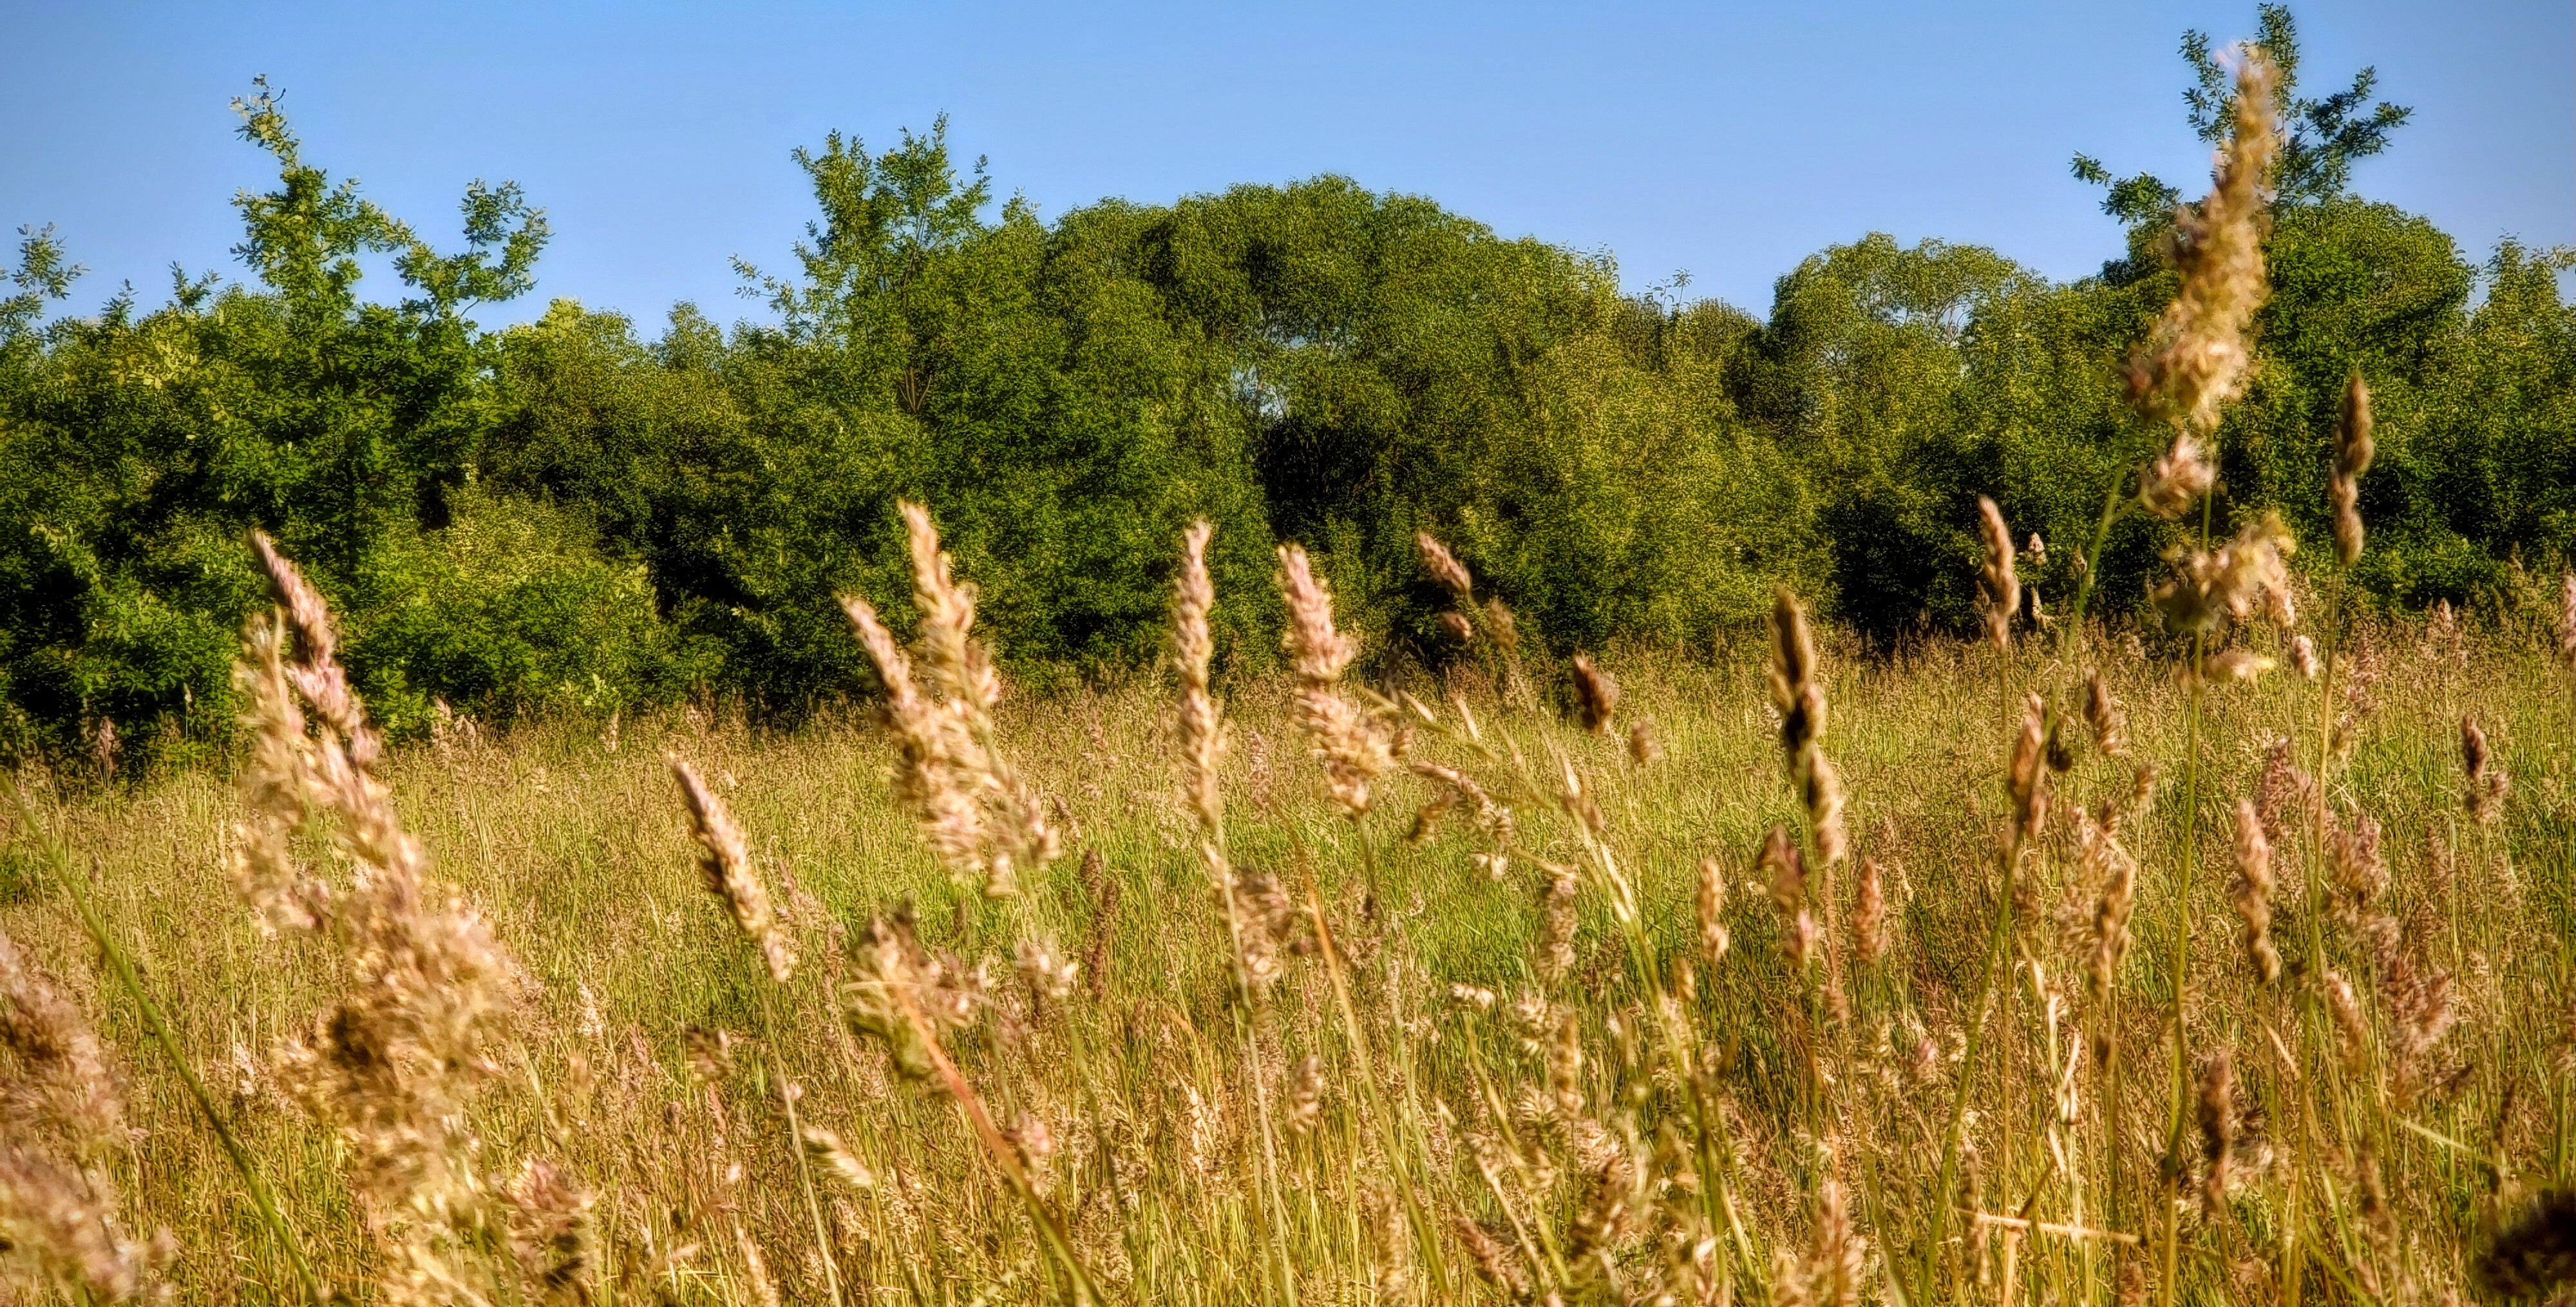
{"points": [[1543, 1096]]}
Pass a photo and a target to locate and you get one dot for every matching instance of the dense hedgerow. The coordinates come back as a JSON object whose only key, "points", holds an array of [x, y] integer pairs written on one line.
{"points": [[580, 514]]}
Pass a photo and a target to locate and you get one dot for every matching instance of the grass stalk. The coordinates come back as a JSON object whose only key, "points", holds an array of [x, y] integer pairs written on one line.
{"points": [[120, 966], [2168, 1290], [1425, 1233]]}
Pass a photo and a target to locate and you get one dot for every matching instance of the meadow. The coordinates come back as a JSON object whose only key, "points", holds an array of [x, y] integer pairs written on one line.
{"points": [[1590, 1042]]}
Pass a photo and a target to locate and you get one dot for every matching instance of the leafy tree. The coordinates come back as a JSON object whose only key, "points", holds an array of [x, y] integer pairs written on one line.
{"points": [[2325, 137]]}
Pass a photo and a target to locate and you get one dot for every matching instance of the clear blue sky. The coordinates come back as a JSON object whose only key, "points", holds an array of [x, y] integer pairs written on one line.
{"points": [[1729, 140]]}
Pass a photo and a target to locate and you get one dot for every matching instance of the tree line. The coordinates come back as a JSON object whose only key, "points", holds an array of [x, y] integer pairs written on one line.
{"points": [[582, 514]]}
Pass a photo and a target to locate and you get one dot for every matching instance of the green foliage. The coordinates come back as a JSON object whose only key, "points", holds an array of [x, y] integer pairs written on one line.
{"points": [[568, 517]]}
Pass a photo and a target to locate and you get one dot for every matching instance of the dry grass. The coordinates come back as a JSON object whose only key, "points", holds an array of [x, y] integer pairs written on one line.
{"points": [[1540, 1109]]}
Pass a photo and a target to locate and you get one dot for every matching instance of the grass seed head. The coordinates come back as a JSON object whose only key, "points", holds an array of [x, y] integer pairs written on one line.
{"points": [[2351, 1029], [1305, 1100], [2027, 777], [396, 1063], [1785, 867], [1445, 568], [957, 662], [1823, 791], [937, 773], [826, 1149], [2484, 793], [1998, 586], [2216, 1109], [1555, 945], [1642, 745], [276, 783], [978, 815], [2103, 717], [550, 1234], [1202, 739], [2176, 480], [725, 864], [2109, 865], [2199, 352], [2353, 451], [2252, 891], [1712, 912], [2567, 620], [1596, 696], [1496, 1262], [1828, 1271], [1794, 692], [56, 1084], [1350, 744], [54, 1215], [1869, 913]]}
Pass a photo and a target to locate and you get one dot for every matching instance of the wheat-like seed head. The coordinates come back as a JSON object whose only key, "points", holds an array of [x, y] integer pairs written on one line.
{"points": [[1317, 651], [1828, 1271], [396, 1063], [1554, 949], [2177, 479], [826, 1149], [2247, 575], [2484, 793], [2353, 450], [2217, 1113], [1445, 568], [1498, 1263], [550, 1234], [274, 783], [725, 863], [1712, 912], [957, 662], [56, 1085], [2345, 1006], [2567, 620], [1305, 1097], [1822, 789], [62, 1122], [1354, 751], [1998, 586], [976, 812], [2027, 776], [1596, 696], [1869, 913], [2104, 861], [1202, 737], [2200, 355], [1801, 703], [2253, 891], [2360, 873], [56, 1216], [936, 771], [2303, 657], [1785, 867], [1643, 748], [2103, 717]]}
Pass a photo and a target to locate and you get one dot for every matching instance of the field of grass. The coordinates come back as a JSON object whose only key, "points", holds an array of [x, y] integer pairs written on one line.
{"points": [[2227, 962], [1493, 1083]]}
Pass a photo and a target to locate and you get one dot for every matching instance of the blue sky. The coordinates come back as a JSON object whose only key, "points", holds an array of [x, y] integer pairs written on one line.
{"points": [[1728, 140]]}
